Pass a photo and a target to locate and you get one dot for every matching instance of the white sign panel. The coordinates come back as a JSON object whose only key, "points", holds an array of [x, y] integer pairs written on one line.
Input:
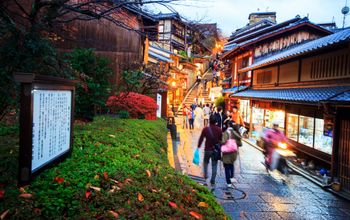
{"points": [[51, 125], [159, 103]]}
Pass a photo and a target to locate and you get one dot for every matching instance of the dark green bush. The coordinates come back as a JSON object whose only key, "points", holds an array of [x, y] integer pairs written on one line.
{"points": [[123, 114]]}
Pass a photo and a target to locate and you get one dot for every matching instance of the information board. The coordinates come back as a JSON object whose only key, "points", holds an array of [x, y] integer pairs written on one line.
{"points": [[51, 132], [159, 103]]}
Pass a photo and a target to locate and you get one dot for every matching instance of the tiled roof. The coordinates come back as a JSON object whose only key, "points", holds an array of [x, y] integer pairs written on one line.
{"points": [[344, 97], [252, 27], [159, 57], [311, 46], [234, 89], [166, 15], [307, 95]]}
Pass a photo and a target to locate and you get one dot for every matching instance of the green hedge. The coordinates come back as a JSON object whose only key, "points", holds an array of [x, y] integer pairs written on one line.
{"points": [[129, 156]]}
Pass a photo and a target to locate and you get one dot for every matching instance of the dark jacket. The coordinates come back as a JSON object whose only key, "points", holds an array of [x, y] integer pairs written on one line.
{"points": [[210, 140], [220, 120]]}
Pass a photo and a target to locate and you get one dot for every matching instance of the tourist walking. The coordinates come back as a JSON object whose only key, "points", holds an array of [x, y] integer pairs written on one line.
{"points": [[213, 136], [206, 112], [220, 118], [198, 122], [200, 90], [231, 140], [185, 116], [191, 116]]}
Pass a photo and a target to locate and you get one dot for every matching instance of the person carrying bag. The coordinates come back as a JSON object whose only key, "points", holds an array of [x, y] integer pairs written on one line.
{"points": [[231, 141], [212, 135]]}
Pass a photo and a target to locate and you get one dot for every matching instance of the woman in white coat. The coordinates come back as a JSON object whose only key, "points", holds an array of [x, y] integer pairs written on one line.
{"points": [[199, 117]]}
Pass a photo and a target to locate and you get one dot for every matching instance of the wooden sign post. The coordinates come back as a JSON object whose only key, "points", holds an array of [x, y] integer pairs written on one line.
{"points": [[46, 122]]}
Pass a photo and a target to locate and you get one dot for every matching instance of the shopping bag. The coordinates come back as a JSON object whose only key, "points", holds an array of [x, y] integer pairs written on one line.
{"points": [[196, 157]]}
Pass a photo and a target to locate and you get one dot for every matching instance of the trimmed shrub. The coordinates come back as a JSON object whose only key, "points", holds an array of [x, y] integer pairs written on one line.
{"points": [[137, 105], [123, 114]]}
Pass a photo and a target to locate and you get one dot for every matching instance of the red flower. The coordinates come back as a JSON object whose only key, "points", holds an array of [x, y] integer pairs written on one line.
{"points": [[2, 193]]}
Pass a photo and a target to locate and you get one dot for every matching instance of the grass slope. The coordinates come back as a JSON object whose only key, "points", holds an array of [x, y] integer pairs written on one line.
{"points": [[117, 168]]}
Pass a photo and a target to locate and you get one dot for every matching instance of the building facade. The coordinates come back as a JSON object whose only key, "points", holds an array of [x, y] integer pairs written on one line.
{"points": [[306, 89]]}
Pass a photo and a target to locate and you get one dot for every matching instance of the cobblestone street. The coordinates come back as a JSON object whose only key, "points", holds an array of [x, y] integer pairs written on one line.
{"points": [[258, 195]]}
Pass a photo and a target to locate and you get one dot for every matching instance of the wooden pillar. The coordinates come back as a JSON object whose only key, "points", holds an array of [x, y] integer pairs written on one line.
{"points": [[251, 118]]}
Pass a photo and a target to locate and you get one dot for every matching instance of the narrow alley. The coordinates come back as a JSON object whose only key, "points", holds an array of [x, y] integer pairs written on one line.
{"points": [[258, 195]]}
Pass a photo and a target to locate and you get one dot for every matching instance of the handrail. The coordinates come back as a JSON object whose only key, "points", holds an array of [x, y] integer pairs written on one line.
{"points": [[189, 92]]}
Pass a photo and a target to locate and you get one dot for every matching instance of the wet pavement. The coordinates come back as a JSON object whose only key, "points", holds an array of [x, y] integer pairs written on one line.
{"points": [[258, 195]]}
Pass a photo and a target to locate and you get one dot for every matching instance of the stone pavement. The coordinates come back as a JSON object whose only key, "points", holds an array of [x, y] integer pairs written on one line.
{"points": [[258, 195]]}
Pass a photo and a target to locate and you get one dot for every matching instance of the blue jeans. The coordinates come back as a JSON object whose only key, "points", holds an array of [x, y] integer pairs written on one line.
{"points": [[209, 155]]}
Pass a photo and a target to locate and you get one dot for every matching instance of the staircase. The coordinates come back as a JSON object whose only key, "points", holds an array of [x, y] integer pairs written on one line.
{"points": [[189, 99]]}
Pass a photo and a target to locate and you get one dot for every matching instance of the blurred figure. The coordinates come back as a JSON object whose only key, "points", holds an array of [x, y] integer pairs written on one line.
{"points": [[185, 116], [206, 112], [198, 121]]}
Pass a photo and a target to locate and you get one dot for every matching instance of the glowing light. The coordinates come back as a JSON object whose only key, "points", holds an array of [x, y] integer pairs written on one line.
{"points": [[282, 145], [173, 84]]}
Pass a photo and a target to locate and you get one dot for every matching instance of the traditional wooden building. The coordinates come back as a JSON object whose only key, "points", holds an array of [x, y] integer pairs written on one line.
{"points": [[306, 88], [263, 39]]}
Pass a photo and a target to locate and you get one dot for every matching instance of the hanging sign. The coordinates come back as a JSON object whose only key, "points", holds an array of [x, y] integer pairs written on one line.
{"points": [[328, 127]]}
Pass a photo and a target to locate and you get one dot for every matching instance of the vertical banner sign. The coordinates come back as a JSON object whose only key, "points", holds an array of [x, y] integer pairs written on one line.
{"points": [[46, 123], [159, 103]]}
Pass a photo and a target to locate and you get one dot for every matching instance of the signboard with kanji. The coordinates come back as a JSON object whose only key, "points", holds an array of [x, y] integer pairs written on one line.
{"points": [[46, 123]]}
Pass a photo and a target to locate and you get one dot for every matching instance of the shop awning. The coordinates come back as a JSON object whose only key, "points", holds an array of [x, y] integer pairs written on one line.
{"points": [[304, 95], [159, 57], [234, 89]]}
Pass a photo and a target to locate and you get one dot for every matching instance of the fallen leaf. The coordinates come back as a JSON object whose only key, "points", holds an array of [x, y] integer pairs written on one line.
{"points": [[3, 215], [26, 195], [154, 190], [22, 190], [195, 215], [173, 205], [97, 176], [137, 156], [98, 144], [95, 188], [2, 193], [148, 173], [203, 204], [105, 175], [126, 181], [114, 181], [37, 211], [112, 136], [114, 214], [140, 197], [87, 195], [59, 179]]}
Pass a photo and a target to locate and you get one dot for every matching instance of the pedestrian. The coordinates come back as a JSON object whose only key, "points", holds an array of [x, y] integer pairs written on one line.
{"points": [[191, 116], [194, 105], [185, 116], [205, 84], [173, 110], [228, 117], [229, 151], [220, 118], [231, 140], [213, 136], [236, 116], [206, 112], [198, 122], [200, 90]]}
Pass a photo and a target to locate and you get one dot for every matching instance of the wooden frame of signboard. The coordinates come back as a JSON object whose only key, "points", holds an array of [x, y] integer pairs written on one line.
{"points": [[52, 89]]}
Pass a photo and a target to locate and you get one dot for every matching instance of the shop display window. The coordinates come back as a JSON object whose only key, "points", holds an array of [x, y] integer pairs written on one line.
{"points": [[258, 122], [306, 130], [292, 126], [322, 143], [272, 116], [245, 110]]}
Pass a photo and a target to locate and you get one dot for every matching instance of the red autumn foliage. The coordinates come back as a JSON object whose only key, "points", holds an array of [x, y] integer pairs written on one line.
{"points": [[58, 179], [137, 105], [2, 193]]}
